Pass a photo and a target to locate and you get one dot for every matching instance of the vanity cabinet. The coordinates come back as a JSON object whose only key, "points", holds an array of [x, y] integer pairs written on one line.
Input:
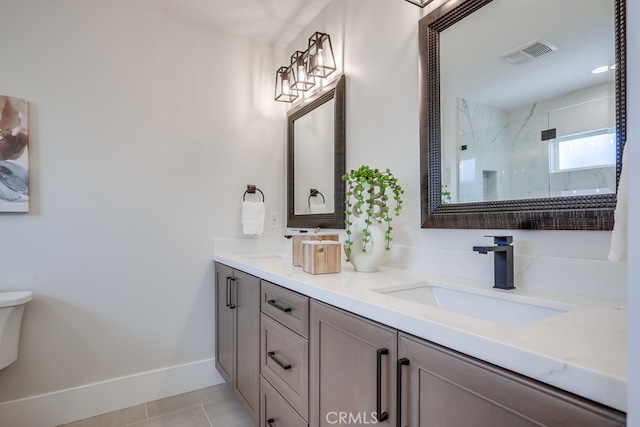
{"points": [[362, 372], [238, 334], [294, 361], [352, 369], [284, 357]]}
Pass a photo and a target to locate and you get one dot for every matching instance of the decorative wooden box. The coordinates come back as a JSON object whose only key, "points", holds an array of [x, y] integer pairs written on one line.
{"points": [[297, 244], [321, 256]]}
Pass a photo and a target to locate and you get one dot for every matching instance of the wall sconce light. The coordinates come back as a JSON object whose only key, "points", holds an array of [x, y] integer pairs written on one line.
{"points": [[317, 62], [420, 3], [321, 61], [302, 81], [284, 80]]}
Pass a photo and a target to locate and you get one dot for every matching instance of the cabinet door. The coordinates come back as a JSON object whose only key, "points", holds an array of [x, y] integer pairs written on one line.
{"points": [[443, 388], [225, 332], [246, 298], [345, 355]]}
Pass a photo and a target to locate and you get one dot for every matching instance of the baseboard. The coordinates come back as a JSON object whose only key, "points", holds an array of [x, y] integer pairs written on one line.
{"points": [[65, 406]]}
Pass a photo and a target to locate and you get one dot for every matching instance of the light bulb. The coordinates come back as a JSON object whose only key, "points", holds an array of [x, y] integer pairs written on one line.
{"points": [[286, 88], [320, 58], [302, 75]]}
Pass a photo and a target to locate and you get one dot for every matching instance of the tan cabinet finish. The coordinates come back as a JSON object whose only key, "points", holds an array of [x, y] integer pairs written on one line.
{"points": [[275, 411], [346, 353], [225, 325], [238, 334], [287, 307], [284, 356], [285, 363], [441, 388]]}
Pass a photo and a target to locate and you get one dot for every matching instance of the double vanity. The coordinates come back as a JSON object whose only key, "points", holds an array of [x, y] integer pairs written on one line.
{"points": [[413, 348], [408, 348]]}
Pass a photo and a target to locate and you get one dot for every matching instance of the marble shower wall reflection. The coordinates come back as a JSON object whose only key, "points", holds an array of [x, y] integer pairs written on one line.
{"points": [[501, 154], [14, 155]]}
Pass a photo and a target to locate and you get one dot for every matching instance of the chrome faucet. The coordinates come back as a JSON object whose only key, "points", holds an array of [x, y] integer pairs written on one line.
{"points": [[502, 261]]}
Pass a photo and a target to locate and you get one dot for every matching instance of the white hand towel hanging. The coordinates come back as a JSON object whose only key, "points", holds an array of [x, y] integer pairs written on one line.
{"points": [[618, 250], [252, 218]]}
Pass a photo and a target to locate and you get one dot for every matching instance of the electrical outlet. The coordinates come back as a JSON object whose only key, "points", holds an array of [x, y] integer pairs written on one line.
{"points": [[274, 219]]}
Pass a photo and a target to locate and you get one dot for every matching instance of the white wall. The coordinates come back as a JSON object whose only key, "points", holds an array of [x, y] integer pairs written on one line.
{"points": [[144, 131]]}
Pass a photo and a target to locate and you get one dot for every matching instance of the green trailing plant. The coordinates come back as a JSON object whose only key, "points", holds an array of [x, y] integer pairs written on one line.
{"points": [[445, 194], [367, 197]]}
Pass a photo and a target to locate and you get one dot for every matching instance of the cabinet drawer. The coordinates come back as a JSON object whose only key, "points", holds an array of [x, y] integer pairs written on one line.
{"points": [[275, 411], [287, 307], [285, 363]]}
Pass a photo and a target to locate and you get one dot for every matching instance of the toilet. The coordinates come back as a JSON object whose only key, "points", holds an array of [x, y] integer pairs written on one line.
{"points": [[11, 308]]}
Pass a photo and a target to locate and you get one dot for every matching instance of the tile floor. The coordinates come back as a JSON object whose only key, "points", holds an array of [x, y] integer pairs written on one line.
{"points": [[210, 407]]}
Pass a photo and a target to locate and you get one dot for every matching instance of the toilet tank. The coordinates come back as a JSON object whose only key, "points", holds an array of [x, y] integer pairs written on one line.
{"points": [[11, 310]]}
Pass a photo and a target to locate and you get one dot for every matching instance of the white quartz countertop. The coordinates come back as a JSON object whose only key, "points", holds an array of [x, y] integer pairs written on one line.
{"points": [[583, 351]]}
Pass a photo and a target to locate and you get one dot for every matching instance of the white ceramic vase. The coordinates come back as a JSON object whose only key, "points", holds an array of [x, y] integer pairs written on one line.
{"points": [[376, 254]]}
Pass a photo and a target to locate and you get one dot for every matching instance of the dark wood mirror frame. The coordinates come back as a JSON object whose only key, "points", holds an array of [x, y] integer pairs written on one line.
{"points": [[334, 219], [594, 212]]}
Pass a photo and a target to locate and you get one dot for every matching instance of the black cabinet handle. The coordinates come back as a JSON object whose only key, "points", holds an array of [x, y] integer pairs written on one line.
{"points": [[279, 307], [272, 356], [270, 421], [232, 304], [381, 416], [228, 285], [401, 362]]}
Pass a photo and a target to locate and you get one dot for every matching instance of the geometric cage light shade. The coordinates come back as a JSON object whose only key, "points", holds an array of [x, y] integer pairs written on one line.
{"points": [[306, 68], [419, 3], [321, 62], [284, 85], [301, 79]]}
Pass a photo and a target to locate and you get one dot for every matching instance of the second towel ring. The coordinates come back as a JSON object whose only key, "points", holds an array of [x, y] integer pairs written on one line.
{"points": [[251, 189], [315, 193]]}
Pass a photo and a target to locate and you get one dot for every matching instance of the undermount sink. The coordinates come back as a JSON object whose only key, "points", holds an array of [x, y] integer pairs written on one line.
{"points": [[496, 306]]}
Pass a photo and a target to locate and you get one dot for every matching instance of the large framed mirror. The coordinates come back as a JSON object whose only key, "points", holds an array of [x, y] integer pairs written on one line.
{"points": [[316, 138], [516, 130]]}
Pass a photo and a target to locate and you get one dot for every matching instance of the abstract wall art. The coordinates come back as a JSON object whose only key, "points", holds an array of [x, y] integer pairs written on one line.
{"points": [[14, 155]]}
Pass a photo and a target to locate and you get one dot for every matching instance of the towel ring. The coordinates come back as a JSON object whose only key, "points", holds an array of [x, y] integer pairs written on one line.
{"points": [[251, 189], [314, 193]]}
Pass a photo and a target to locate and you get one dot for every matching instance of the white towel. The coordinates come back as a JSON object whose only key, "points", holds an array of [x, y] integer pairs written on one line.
{"points": [[316, 208], [252, 218], [618, 250]]}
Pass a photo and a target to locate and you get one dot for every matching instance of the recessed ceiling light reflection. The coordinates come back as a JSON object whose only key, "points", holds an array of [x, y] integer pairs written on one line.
{"points": [[599, 70]]}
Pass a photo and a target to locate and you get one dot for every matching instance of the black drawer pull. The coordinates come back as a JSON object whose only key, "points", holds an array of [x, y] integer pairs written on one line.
{"points": [[270, 421], [272, 356], [228, 285], [401, 362], [380, 416], [279, 307], [232, 282]]}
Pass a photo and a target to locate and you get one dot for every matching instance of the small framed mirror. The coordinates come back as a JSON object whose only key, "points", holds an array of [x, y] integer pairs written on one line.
{"points": [[518, 130], [316, 138]]}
